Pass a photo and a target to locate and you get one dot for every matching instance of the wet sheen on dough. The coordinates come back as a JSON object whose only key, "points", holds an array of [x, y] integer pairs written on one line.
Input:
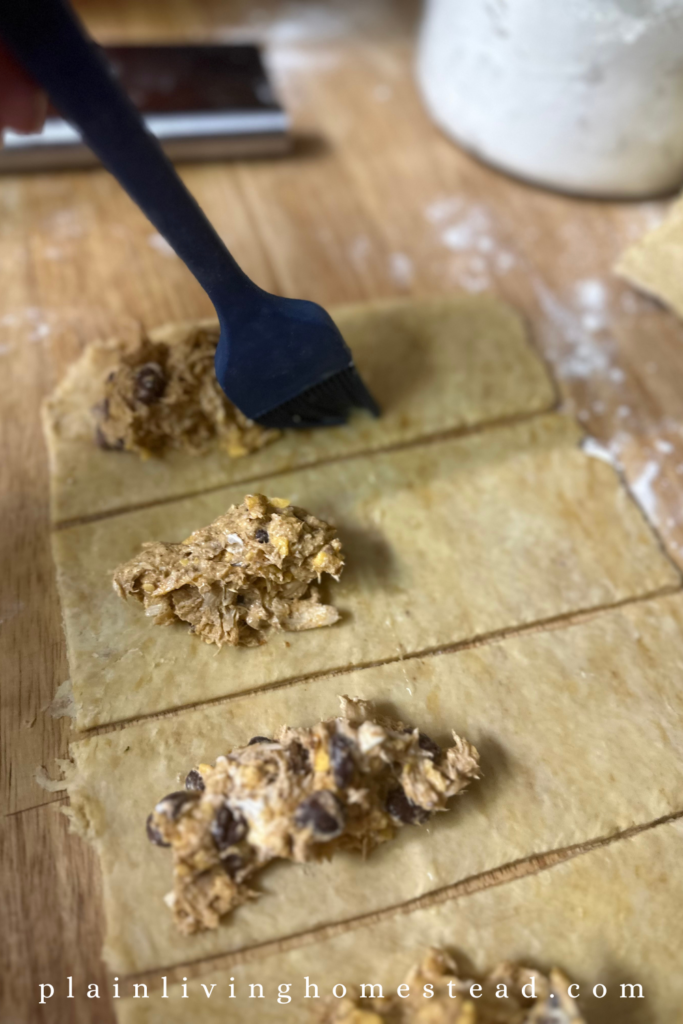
{"points": [[434, 365]]}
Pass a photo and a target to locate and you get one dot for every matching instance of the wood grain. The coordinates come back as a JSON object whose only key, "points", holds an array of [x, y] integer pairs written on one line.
{"points": [[374, 202], [52, 924]]}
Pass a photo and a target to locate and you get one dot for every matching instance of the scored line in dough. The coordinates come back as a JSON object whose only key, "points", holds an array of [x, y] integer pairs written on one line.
{"points": [[534, 706], [445, 543], [613, 901], [435, 365]]}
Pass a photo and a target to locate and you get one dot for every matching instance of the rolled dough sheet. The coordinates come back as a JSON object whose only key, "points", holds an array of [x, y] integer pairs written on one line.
{"points": [[434, 366], [445, 542], [611, 916], [580, 732], [655, 262]]}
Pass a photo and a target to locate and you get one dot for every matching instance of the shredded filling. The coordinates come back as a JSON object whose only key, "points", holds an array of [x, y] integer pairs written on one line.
{"points": [[252, 570], [452, 1002], [348, 783], [165, 396]]}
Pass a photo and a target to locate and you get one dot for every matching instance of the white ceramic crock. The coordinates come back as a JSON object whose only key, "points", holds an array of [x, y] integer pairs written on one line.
{"points": [[580, 95]]}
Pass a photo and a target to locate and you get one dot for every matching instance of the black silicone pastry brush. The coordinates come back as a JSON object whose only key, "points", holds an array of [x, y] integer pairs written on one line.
{"points": [[281, 361]]}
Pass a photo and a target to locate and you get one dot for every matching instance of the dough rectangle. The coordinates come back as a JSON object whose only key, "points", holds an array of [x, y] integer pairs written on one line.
{"points": [[610, 916], [445, 542], [655, 262], [434, 365], [536, 706]]}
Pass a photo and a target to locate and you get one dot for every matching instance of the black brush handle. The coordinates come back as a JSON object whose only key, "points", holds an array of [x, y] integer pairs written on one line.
{"points": [[276, 356], [49, 41]]}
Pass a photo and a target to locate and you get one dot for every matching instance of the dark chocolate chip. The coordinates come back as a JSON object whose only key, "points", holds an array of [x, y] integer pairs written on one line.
{"points": [[153, 833], [232, 864], [323, 813], [427, 744], [342, 759], [262, 536], [298, 758], [404, 810], [194, 780], [227, 828], [173, 803], [258, 739], [150, 384]]}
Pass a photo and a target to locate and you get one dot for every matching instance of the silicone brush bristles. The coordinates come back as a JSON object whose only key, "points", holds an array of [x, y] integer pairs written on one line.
{"points": [[326, 404]]}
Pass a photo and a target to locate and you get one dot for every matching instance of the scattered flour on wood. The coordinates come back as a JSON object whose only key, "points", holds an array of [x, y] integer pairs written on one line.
{"points": [[591, 446], [577, 331], [444, 209], [31, 321], [643, 490], [591, 299], [472, 231], [578, 339], [468, 232]]}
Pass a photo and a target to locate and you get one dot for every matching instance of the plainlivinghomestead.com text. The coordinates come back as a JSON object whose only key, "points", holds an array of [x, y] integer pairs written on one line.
{"points": [[306, 989]]}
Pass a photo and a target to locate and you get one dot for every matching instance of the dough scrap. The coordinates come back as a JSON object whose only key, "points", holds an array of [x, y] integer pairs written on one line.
{"points": [[249, 572], [349, 783], [444, 542], [655, 262], [553, 774], [612, 916], [434, 365]]}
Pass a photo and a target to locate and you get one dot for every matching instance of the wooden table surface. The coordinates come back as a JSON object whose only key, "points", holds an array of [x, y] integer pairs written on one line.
{"points": [[372, 202]]}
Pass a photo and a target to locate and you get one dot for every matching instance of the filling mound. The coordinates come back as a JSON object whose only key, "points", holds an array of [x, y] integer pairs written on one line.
{"points": [[165, 396], [252, 570], [348, 783], [434, 993]]}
